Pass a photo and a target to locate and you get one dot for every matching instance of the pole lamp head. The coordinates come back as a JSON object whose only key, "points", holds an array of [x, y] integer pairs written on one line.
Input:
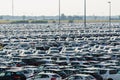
{"points": [[109, 2]]}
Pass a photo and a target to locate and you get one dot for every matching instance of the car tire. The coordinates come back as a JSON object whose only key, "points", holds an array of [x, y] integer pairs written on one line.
{"points": [[110, 79]]}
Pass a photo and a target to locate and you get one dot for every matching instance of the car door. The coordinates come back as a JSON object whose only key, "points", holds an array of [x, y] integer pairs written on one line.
{"points": [[42, 77], [75, 78], [8, 76], [2, 76], [71, 78]]}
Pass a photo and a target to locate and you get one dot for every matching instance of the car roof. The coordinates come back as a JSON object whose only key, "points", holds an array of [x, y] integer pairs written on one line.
{"points": [[16, 70], [81, 75], [48, 73]]}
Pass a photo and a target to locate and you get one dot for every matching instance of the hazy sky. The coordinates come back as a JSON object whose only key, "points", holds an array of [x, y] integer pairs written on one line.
{"points": [[50, 7]]}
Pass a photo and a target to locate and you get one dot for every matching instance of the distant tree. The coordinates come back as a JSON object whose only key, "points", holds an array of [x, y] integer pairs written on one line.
{"points": [[19, 22], [23, 17], [70, 21], [77, 17], [70, 17], [39, 21], [119, 17], [43, 17], [53, 21], [1, 17], [95, 17], [63, 17]]}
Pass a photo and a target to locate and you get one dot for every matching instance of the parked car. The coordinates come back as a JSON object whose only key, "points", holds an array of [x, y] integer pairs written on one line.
{"points": [[57, 71], [47, 76], [94, 74], [110, 74], [12, 75], [80, 77]]}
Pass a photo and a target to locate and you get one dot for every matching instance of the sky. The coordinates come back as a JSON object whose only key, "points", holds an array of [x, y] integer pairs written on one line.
{"points": [[50, 7]]}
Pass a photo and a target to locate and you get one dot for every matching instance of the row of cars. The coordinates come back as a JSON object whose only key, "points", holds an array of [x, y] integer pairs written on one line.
{"points": [[64, 52]]}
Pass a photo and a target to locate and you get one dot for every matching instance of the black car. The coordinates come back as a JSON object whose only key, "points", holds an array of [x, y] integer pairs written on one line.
{"points": [[12, 75]]}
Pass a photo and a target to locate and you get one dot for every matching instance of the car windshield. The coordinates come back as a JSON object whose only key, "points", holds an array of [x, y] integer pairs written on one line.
{"points": [[26, 72], [18, 73], [90, 77], [77, 77], [41, 53], [28, 52], [69, 49], [42, 76], [2, 74], [54, 52], [24, 45], [63, 58]]}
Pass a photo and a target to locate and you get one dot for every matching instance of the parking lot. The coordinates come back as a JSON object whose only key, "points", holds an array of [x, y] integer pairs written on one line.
{"points": [[60, 52]]}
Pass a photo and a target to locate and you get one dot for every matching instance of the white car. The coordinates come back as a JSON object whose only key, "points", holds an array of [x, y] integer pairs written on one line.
{"points": [[47, 76], [80, 77], [112, 74]]}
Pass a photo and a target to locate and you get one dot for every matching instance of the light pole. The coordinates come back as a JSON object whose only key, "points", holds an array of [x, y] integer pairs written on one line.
{"points": [[59, 13], [84, 13], [12, 8], [109, 13]]}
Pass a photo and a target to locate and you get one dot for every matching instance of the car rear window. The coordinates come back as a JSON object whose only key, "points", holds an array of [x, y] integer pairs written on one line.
{"points": [[56, 76], [72, 59], [113, 71], [74, 63], [103, 71]]}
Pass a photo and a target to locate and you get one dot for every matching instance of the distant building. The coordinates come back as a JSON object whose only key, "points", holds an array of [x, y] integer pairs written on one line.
{"points": [[63, 17]]}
